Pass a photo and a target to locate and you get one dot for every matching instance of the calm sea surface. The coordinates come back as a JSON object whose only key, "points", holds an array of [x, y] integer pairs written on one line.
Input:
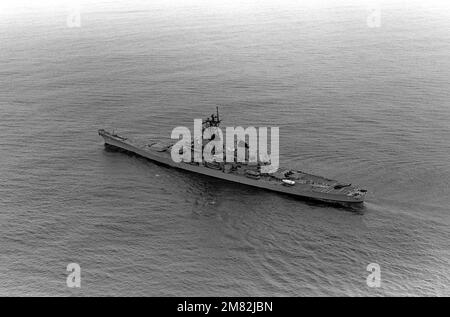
{"points": [[370, 106]]}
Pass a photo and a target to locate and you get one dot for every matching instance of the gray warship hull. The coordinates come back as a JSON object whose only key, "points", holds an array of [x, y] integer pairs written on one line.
{"points": [[311, 186]]}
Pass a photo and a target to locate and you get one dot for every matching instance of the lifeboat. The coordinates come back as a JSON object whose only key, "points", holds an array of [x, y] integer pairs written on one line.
{"points": [[288, 182]]}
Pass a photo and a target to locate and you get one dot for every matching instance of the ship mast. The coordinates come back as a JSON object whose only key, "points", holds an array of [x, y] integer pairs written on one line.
{"points": [[212, 121]]}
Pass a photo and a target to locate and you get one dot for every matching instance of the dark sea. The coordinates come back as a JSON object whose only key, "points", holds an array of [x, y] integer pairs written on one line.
{"points": [[365, 105]]}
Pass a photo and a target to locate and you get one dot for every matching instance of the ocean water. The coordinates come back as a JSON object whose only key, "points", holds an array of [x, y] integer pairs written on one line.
{"points": [[366, 105]]}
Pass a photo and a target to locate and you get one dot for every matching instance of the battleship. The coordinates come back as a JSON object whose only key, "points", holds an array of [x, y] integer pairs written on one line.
{"points": [[283, 180]]}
